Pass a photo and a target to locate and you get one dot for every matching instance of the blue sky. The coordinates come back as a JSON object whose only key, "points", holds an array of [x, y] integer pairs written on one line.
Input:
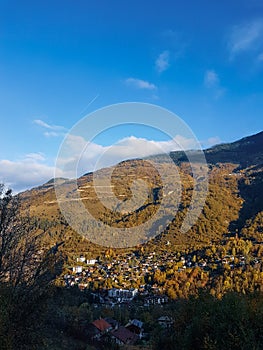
{"points": [[60, 60]]}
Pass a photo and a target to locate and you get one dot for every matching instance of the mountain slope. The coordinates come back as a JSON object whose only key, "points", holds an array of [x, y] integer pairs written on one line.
{"points": [[246, 152], [235, 199]]}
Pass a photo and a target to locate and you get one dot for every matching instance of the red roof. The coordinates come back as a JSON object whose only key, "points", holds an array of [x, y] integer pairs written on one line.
{"points": [[125, 336], [101, 324]]}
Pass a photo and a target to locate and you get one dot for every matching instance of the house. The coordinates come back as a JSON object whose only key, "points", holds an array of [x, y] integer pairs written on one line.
{"points": [[155, 300], [81, 259], [122, 294], [123, 336], [136, 323], [91, 261], [102, 325], [135, 326], [77, 269]]}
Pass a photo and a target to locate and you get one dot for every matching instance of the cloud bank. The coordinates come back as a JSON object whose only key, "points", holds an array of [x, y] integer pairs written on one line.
{"points": [[26, 173], [82, 157]]}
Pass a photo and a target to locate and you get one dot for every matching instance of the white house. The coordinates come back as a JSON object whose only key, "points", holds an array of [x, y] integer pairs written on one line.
{"points": [[81, 259], [123, 294], [77, 269], [91, 261]]}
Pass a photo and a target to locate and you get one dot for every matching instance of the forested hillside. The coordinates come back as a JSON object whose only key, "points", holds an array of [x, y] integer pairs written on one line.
{"points": [[234, 201]]}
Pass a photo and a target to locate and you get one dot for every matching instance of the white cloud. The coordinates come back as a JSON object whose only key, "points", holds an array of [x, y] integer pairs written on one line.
{"points": [[25, 173], [211, 79], [162, 62], [245, 37], [80, 156], [53, 130], [51, 134], [140, 84], [35, 156], [48, 126], [85, 157]]}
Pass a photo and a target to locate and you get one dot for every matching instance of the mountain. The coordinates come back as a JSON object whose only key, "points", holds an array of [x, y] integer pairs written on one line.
{"points": [[234, 204], [246, 152]]}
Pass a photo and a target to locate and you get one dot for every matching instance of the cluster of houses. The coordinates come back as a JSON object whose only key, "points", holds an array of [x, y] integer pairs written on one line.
{"points": [[108, 330], [127, 268], [127, 276], [122, 271]]}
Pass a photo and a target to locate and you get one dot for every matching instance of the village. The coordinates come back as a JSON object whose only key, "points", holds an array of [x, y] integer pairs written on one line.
{"points": [[137, 280], [140, 276]]}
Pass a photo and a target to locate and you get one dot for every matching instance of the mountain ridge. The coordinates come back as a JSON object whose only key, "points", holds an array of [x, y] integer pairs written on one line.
{"points": [[233, 203], [230, 152]]}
